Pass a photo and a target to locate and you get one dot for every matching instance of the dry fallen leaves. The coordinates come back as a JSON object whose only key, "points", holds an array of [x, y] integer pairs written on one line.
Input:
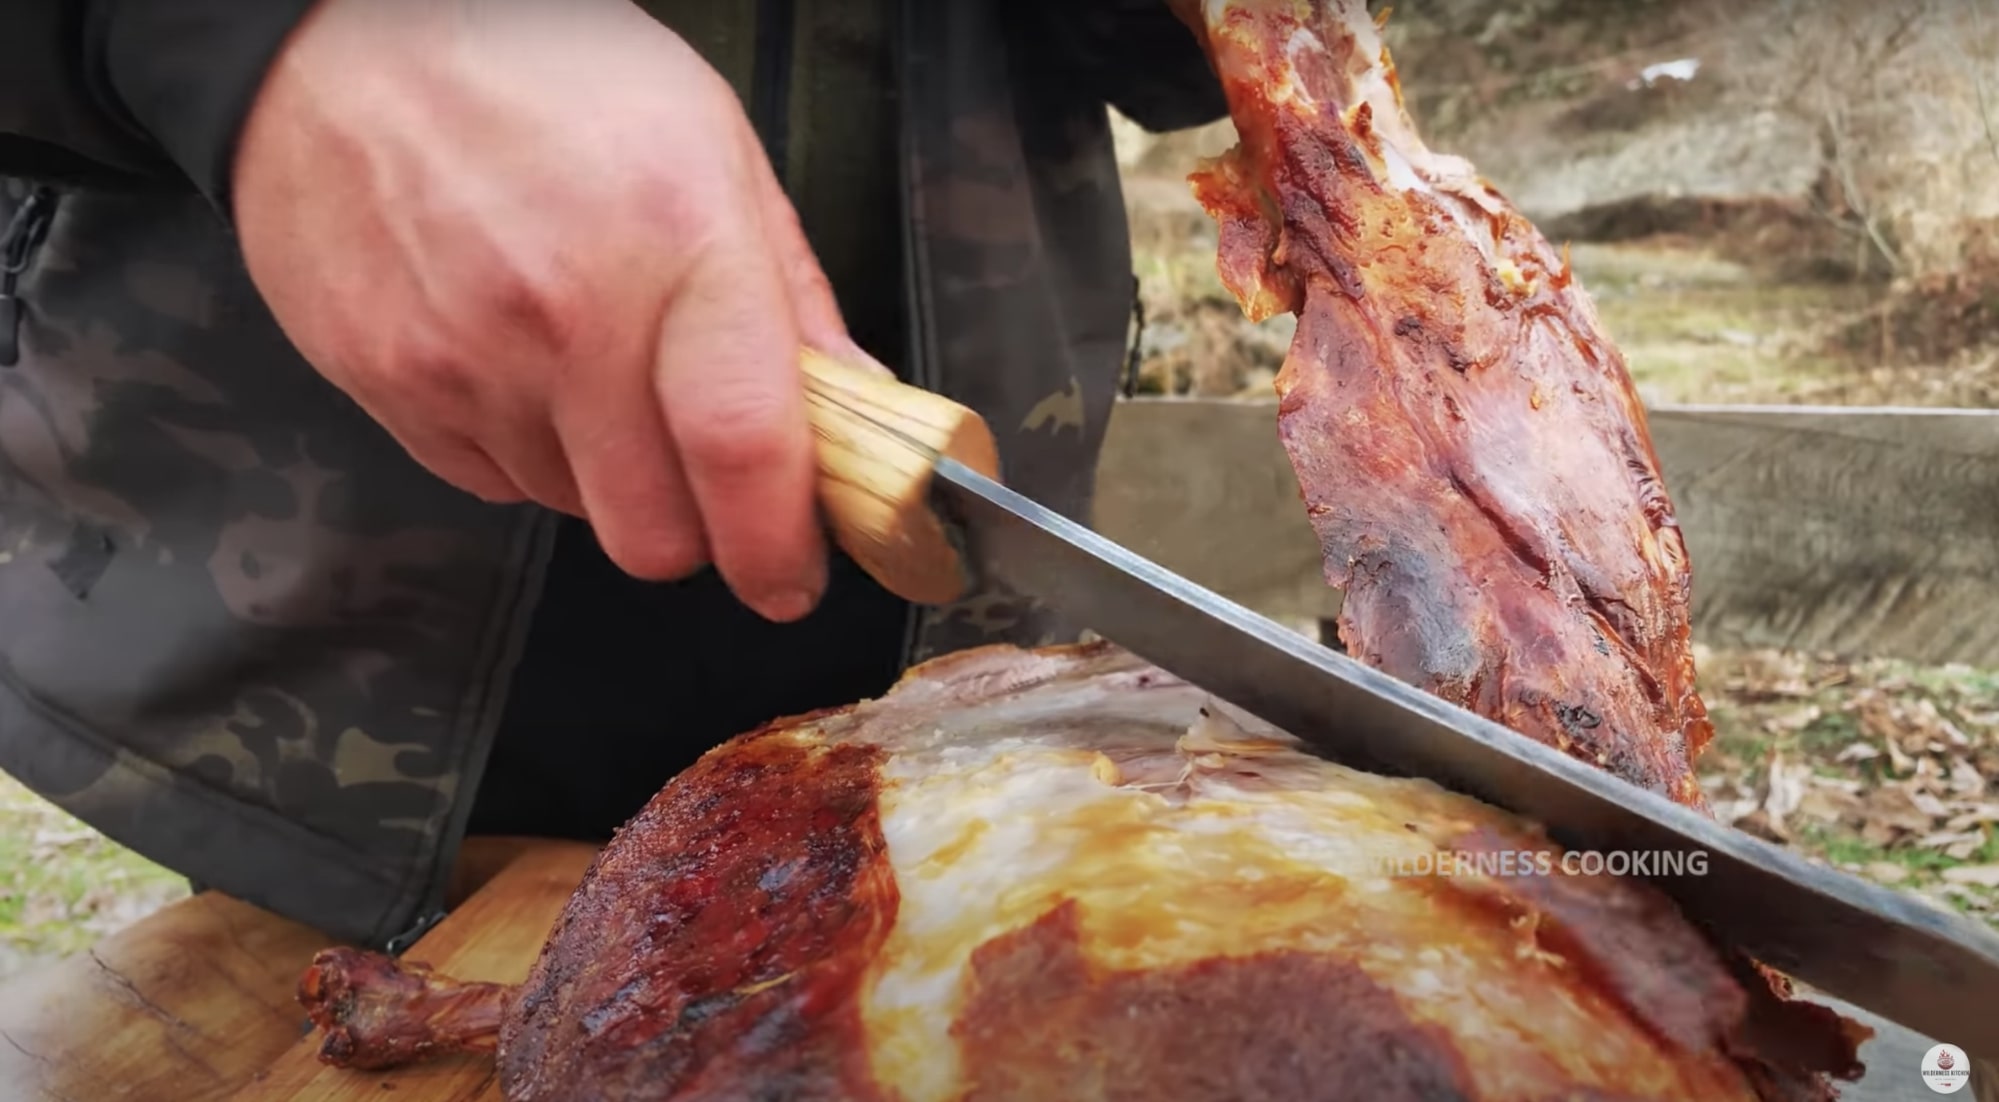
{"points": [[1830, 801], [1891, 813], [1976, 814], [1786, 790], [1891, 770], [1887, 872], [1985, 876], [1795, 719]]}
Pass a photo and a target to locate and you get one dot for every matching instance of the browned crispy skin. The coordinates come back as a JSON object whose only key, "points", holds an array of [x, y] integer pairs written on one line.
{"points": [[1042, 1023], [1471, 451], [712, 950], [715, 947], [378, 1013]]}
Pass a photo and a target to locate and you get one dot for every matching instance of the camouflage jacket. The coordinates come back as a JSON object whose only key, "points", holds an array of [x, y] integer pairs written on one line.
{"points": [[240, 631]]}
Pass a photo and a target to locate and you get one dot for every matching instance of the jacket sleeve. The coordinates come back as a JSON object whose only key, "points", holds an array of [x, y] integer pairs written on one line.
{"points": [[154, 91], [1138, 57], [52, 124]]}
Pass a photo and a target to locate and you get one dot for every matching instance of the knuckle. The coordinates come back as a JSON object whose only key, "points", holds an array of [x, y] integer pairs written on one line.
{"points": [[681, 215], [542, 309], [432, 372], [490, 301]]}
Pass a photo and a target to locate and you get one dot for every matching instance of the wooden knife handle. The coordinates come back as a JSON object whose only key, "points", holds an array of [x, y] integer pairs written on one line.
{"points": [[877, 439]]}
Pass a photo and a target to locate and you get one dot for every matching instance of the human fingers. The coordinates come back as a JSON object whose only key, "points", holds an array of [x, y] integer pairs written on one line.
{"points": [[525, 448], [628, 477], [458, 460], [731, 390]]}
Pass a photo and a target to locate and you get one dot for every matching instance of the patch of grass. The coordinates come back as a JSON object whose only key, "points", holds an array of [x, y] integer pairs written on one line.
{"points": [[1841, 848], [1958, 681], [1742, 745], [1696, 328], [1828, 734], [1930, 860], [62, 885], [1922, 868]]}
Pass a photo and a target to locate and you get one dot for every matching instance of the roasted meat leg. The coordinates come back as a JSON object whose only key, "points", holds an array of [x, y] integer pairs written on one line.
{"points": [[1471, 451], [1063, 874], [378, 1013]]}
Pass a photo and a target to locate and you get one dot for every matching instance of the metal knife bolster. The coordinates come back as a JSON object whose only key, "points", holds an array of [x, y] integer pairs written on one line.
{"points": [[1934, 972]]}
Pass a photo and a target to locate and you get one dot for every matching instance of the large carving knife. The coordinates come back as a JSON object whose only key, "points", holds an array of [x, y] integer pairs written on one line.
{"points": [[909, 486]]}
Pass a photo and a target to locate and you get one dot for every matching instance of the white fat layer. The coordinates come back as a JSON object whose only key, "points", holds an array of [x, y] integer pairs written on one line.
{"points": [[1286, 88], [987, 833], [1013, 787], [1401, 174]]}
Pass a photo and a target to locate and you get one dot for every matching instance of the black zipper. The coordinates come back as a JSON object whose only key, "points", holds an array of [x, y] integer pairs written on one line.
{"points": [[399, 944], [24, 233], [534, 543], [921, 365]]}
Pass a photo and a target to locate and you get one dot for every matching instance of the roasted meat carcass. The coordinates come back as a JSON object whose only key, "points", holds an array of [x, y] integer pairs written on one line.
{"points": [[1064, 875], [1473, 456]]}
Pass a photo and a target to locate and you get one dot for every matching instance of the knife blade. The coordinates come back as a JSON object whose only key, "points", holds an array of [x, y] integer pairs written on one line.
{"points": [[909, 483], [1934, 972]]}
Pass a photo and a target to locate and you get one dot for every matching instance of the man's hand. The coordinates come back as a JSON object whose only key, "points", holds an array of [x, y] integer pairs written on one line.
{"points": [[541, 244]]}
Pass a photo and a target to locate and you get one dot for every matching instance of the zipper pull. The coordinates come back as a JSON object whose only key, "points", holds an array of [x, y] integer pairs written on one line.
{"points": [[400, 944], [17, 246], [10, 324]]}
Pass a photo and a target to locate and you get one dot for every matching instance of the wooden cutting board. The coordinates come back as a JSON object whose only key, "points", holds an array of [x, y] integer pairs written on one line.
{"points": [[494, 935], [184, 1005], [197, 1000]]}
